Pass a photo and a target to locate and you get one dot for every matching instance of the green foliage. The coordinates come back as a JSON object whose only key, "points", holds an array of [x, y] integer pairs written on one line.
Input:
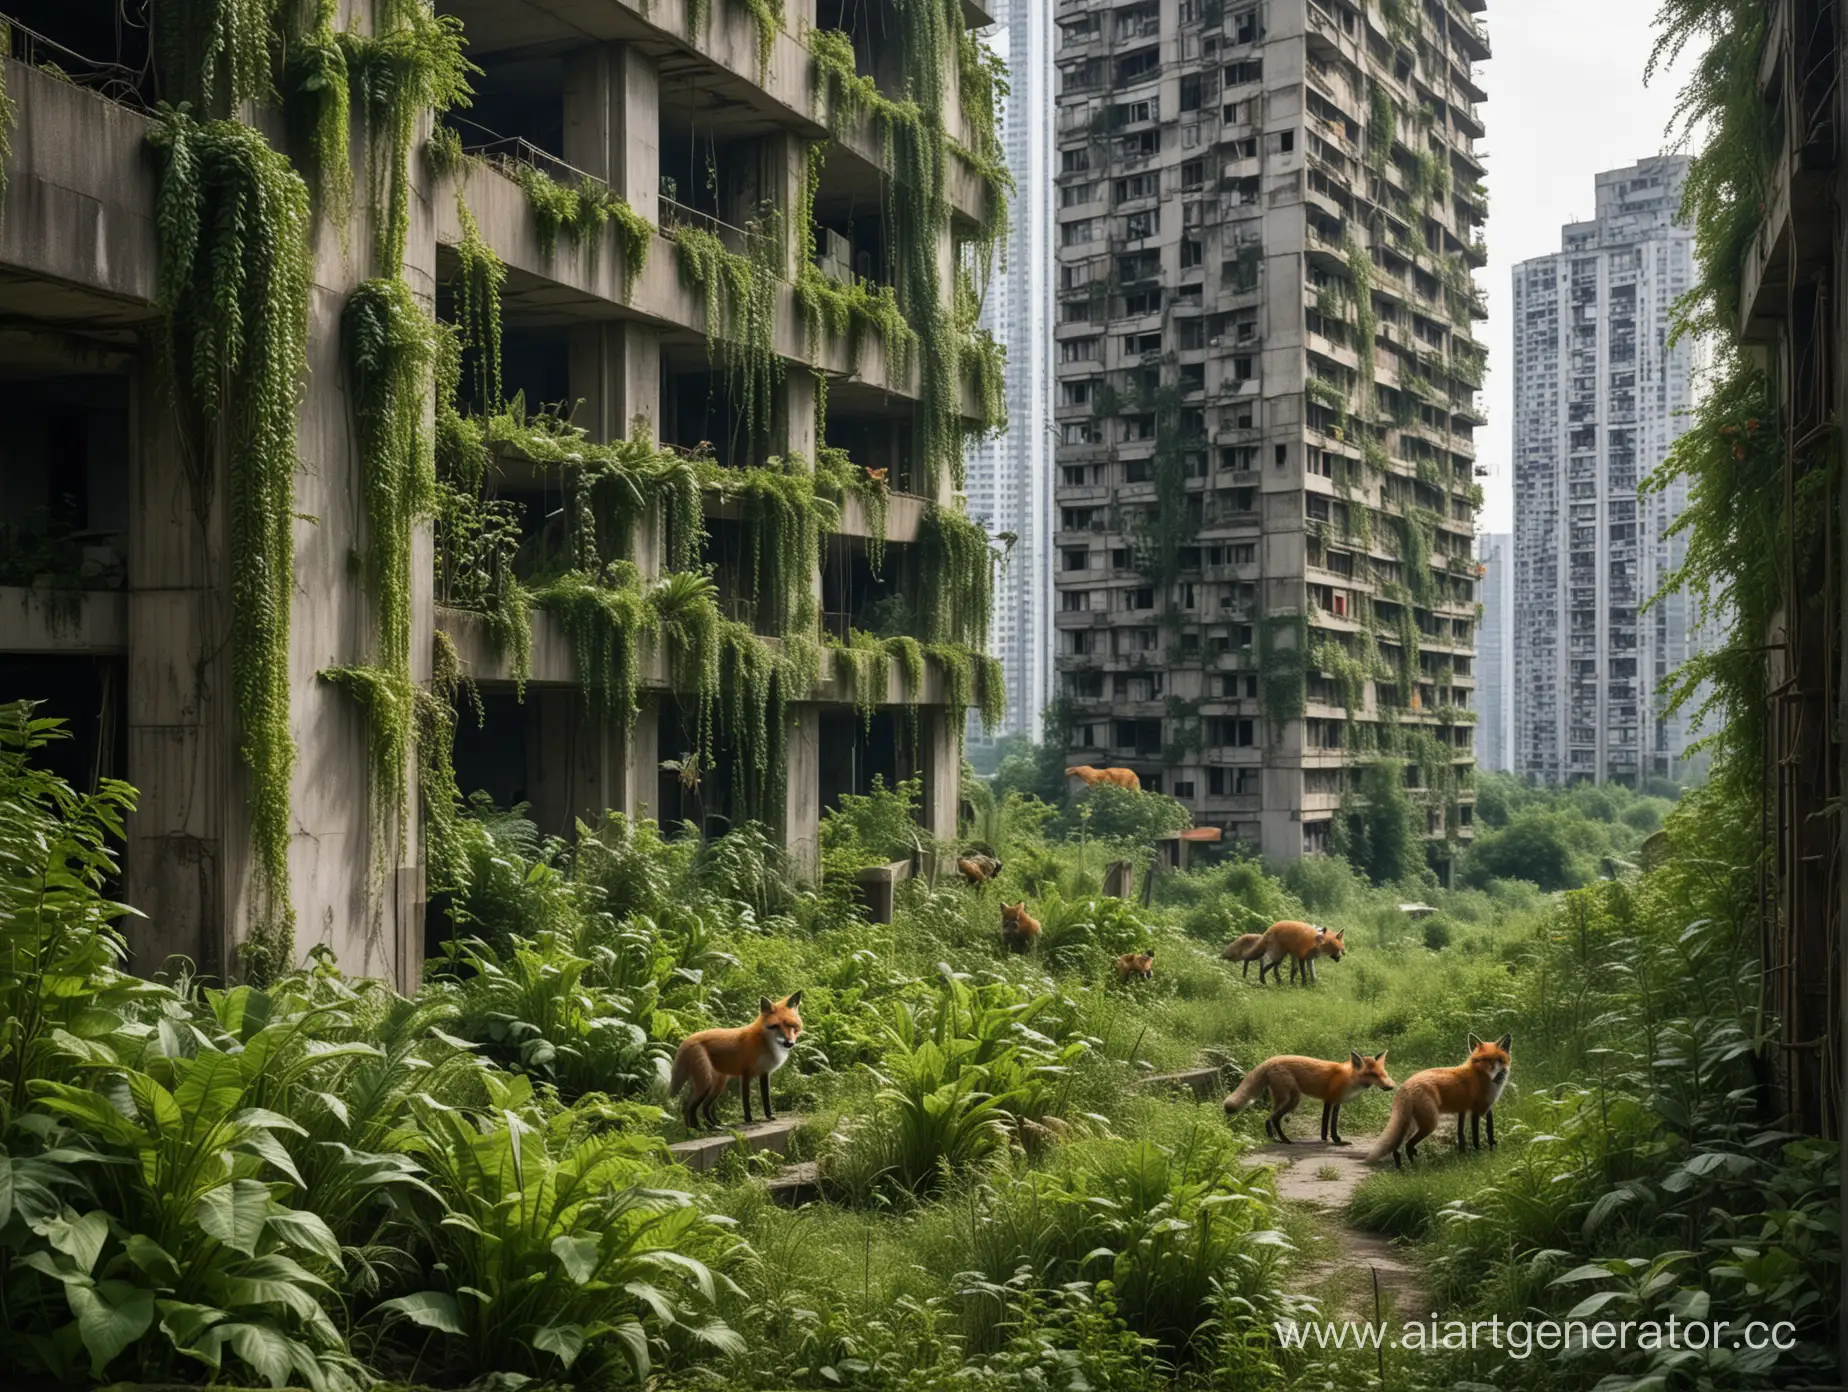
{"points": [[582, 212], [605, 615], [410, 64], [1376, 830], [216, 53], [232, 225], [1131, 817], [1283, 641], [874, 828], [319, 109], [956, 568], [740, 312], [1556, 849]]}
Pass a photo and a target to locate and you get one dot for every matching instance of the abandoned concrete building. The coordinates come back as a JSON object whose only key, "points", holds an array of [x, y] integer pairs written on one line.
{"points": [[1267, 393], [588, 423]]}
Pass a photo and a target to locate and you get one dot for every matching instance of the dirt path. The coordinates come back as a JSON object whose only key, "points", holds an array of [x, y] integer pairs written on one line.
{"points": [[1343, 1259]]}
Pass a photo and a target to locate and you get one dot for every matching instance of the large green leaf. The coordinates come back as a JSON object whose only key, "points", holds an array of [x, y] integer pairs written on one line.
{"points": [[110, 1316], [431, 1309], [235, 1214]]}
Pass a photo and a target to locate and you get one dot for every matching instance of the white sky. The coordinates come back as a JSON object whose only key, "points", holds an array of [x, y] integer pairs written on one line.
{"points": [[1566, 100]]}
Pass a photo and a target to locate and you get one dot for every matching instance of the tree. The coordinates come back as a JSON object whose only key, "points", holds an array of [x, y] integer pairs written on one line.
{"points": [[1555, 848]]}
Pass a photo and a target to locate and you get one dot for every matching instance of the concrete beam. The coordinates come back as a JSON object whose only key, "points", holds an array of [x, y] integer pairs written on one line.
{"points": [[79, 206], [81, 623]]}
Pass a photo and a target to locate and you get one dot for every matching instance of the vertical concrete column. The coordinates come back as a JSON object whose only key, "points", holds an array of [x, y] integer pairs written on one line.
{"points": [[615, 370], [573, 763], [802, 792], [613, 122], [940, 768], [181, 854]]}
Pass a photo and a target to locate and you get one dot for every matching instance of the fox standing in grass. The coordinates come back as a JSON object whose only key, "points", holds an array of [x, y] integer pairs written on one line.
{"points": [[1136, 966], [1244, 949], [1019, 929], [1302, 944], [706, 1062], [1471, 1088], [1290, 1077]]}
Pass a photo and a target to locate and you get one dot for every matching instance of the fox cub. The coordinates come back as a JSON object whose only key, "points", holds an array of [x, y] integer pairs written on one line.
{"points": [[1471, 1088], [706, 1062], [1135, 966], [1302, 944], [978, 869], [1019, 929], [1290, 1077]]}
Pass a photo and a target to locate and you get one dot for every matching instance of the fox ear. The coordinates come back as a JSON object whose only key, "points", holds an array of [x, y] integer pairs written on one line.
{"points": [[1505, 1043], [1380, 1057], [1150, 954], [764, 1006], [793, 1000], [1474, 1042], [1354, 1058]]}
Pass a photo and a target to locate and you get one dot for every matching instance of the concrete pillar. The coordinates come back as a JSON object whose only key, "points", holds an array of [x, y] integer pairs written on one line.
{"points": [[638, 776], [573, 763], [181, 844], [615, 368], [613, 122], [800, 438], [940, 768], [802, 792]]}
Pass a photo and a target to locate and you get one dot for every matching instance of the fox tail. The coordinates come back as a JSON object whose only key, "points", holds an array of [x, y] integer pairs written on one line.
{"points": [[1397, 1125], [1249, 1089], [691, 1065]]}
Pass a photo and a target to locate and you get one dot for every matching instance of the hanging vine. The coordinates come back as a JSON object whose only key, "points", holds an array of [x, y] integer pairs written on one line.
{"points": [[582, 212], [231, 221], [956, 574], [411, 64], [478, 281], [444, 862], [605, 616], [319, 110], [1283, 641], [740, 311], [214, 54]]}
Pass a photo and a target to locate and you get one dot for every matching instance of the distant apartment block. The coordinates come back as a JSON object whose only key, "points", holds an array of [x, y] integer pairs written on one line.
{"points": [[1266, 396], [1495, 653], [1599, 395], [1010, 478]]}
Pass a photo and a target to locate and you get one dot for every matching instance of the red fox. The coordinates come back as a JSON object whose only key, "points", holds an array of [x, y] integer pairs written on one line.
{"points": [[704, 1062], [1244, 949], [1019, 930], [1302, 944], [1470, 1087], [1291, 1077], [1121, 777], [978, 869], [1136, 965]]}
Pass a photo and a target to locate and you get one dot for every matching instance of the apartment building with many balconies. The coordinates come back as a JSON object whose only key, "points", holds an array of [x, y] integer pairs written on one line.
{"points": [[1601, 388], [1266, 397], [686, 290]]}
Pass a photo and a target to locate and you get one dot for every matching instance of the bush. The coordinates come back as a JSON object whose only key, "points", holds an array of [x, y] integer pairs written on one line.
{"points": [[1437, 933]]}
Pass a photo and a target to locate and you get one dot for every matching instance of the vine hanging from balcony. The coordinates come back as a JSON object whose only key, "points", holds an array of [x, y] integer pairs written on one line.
{"points": [[410, 64], [231, 223], [478, 281], [582, 212], [437, 712], [605, 616], [1283, 641], [214, 54], [956, 578], [740, 310], [785, 519], [838, 478], [318, 106]]}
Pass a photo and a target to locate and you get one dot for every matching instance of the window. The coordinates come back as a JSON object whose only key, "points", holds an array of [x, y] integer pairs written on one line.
{"points": [[1075, 601], [1079, 559], [1136, 112], [1141, 145], [1076, 393], [1245, 27], [1191, 89], [1143, 63], [1140, 302], [1137, 344], [1137, 226], [1137, 186], [1193, 174], [1078, 232], [1076, 161], [1073, 194], [1081, 30], [1075, 312], [1192, 254], [1251, 70], [1230, 731], [1184, 791], [1078, 350], [1242, 368], [1286, 142], [1087, 432]]}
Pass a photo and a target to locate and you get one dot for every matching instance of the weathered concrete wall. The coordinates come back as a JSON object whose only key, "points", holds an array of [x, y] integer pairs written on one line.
{"points": [[35, 621]]}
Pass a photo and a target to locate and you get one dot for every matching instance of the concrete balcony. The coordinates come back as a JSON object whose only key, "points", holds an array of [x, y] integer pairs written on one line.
{"points": [[44, 620]]}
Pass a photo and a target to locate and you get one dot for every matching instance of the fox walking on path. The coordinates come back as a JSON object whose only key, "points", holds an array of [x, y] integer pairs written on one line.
{"points": [[705, 1063], [1471, 1088], [1291, 1077], [1244, 949]]}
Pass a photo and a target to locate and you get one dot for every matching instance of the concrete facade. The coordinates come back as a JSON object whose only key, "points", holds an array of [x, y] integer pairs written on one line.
{"points": [[1495, 653], [1266, 398], [142, 636], [1600, 395]]}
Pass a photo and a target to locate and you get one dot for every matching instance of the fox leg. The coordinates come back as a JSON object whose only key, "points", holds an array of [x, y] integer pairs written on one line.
{"points": [[1424, 1129], [763, 1086], [1309, 972], [1334, 1124], [1475, 1130], [744, 1093], [1325, 1108], [710, 1106], [1283, 1102], [1488, 1118], [1461, 1118]]}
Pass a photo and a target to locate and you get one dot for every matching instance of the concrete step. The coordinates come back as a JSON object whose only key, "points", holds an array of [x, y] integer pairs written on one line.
{"points": [[795, 1185], [1204, 1083], [705, 1152]]}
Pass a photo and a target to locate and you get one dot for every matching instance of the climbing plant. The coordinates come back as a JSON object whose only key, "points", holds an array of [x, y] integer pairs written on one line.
{"points": [[214, 54], [740, 311], [410, 64], [318, 105], [231, 221], [1283, 641], [437, 705], [477, 283], [956, 576], [605, 616], [785, 519], [582, 212], [837, 477]]}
